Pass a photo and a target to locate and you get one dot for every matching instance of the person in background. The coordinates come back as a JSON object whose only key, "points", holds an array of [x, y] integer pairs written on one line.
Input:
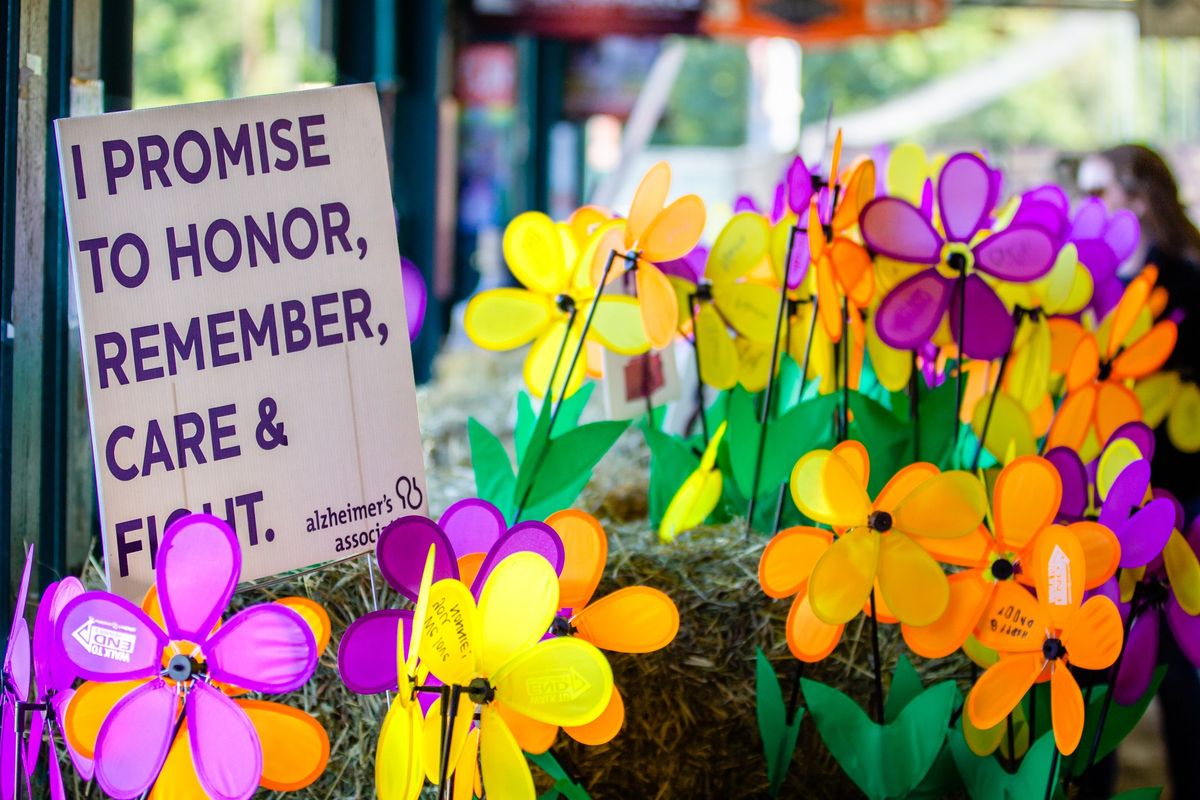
{"points": [[1137, 178]]}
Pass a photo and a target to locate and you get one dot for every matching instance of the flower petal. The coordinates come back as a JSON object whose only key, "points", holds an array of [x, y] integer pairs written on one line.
{"points": [[1025, 500], [947, 505], [530, 536], [965, 195], [225, 746], [533, 250], [674, 232], [827, 489], [969, 594], [896, 229], [617, 325], [1001, 687], [401, 551], [787, 561], [133, 741], [913, 585], [1013, 620], [810, 639], [1017, 254], [501, 319], [1066, 709], [604, 728], [472, 525], [581, 681], [634, 619], [197, 568], [988, 325], [266, 648], [585, 553], [501, 762], [108, 638], [516, 607], [1141, 656], [1059, 572], [843, 576], [910, 314], [295, 747], [364, 660]]}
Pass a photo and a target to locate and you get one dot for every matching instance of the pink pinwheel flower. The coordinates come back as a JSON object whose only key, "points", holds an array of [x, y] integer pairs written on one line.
{"points": [[470, 539], [266, 648], [967, 191], [53, 679], [15, 686], [1104, 242], [1081, 499]]}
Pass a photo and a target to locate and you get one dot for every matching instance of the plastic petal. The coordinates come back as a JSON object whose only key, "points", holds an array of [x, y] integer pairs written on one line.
{"points": [[472, 525], [451, 633], [529, 536], [533, 250], [1026, 499], [501, 319], [314, 615], [504, 771], [635, 619], [945, 506], [909, 315], [1059, 572], [1148, 353], [740, 247], [562, 681], [266, 648], [604, 728], [398, 773], [1017, 254], [900, 231], [659, 306], [107, 638], [198, 565], [1093, 635], [516, 606], [788, 559], [648, 200], [1183, 571], [432, 736], [364, 648], [827, 489], [1012, 621], [965, 195], [675, 231], [1066, 709], [969, 594], [225, 746], [912, 583], [542, 360], [987, 328], [750, 309], [1001, 687], [808, 638], [843, 577], [1101, 551], [718, 357], [134, 739], [295, 747], [585, 552]]}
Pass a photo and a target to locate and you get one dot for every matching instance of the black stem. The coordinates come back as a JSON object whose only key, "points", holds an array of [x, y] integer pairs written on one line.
{"points": [[449, 711], [783, 487], [764, 417], [548, 396], [1011, 758], [631, 286], [1050, 778], [794, 700], [1032, 721], [987, 419], [878, 661], [962, 335], [914, 406], [845, 353], [699, 378]]}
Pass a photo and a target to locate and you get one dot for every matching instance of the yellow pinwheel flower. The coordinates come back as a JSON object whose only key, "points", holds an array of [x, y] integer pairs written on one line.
{"points": [[698, 495], [875, 538], [550, 260]]}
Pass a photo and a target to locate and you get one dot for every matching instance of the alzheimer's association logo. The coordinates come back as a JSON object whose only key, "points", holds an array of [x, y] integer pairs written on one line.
{"points": [[107, 639]]}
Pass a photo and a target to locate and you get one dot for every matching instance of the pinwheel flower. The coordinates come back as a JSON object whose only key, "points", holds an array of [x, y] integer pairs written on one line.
{"points": [[1104, 242], [875, 540], [1049, 634], [792, 196], [15, 686], [1025, 501], [720, 300], [416, 296], [266, 648], [494, 653], [651, 235], [551, 266], [911, 313], [843, 267], [1170, 589], [697, 496], [783, 571], [1081, 496], [1097, 401], [54, 692], [470, 539]]}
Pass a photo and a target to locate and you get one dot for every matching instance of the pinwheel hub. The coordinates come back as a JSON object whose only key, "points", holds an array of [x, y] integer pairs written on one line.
{"points": [[565, 303], [1002, 569], [1105, 371], [1032, 314], [957, 259], [480, 691], [183, 668], [704, 290], [1153, 592], [1053, 649], [561, 626], [880, 521]]}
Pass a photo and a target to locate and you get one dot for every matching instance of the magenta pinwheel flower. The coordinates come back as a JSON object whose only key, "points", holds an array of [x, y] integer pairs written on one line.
{"points": [[1104, 242], [967, 191], [266, 648], [15, 686], [470, 539], [53, 678]]}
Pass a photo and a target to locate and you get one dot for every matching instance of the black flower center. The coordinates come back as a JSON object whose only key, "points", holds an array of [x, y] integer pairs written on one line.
{"points": [[1105, 370], [880, 521], [565, 303], [703, 290], [957, 262], [561, 626], [1053, 649], [1002, 569], [182, 668], [480, 691]]}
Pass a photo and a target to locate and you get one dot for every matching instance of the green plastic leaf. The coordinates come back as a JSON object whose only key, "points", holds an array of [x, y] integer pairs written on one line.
{"points": [[568, 417], [494, 480], [941, 781], [671, 461], [985, 779], [884, 761], [557, 502], [530, 463], [564, 785], [569, 456], [778, 737], [1142, 793], [742, 437], [936, 411], [906, 685], [1121, 720]]}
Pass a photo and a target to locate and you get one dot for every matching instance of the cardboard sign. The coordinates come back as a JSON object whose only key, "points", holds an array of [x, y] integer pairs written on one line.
{"points": [[243, 326], [629, 379]]}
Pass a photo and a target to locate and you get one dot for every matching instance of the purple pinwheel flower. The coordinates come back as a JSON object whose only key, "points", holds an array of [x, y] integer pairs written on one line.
{"points": [[416, 296], [265, 648], [1104, 242], [53, 679], [1045, 207], [1155, 596], [15, 686], [967, 191], [1080, 498], [470, 539]]}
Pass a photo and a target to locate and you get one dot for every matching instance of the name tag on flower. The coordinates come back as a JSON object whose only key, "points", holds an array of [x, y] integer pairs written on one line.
{"points": [[630, 380], [243, 327]]}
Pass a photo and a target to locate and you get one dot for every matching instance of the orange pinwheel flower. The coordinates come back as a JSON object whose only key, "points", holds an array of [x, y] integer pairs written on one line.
{"points": [[1046, 636], [1025, 501], [634, 619], [842, 265], [875, 540], [654, 234], [1098, 401]]}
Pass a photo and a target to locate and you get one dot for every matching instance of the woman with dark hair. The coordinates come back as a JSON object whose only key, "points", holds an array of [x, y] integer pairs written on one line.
{"points": [[1135, 177]]}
